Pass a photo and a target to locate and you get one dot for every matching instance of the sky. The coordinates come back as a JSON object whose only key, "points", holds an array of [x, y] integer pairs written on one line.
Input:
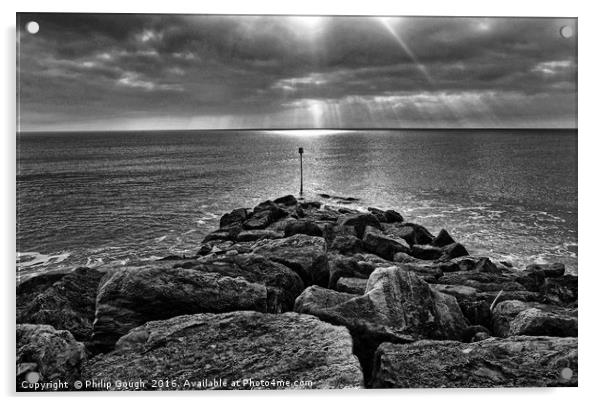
{"points": [[144, 72]]}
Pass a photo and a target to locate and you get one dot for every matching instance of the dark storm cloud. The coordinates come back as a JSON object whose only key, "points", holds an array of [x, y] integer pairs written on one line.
{"points": [[153, 71]]}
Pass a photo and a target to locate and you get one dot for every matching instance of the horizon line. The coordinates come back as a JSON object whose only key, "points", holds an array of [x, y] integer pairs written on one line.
{"points": [[304, 129]]}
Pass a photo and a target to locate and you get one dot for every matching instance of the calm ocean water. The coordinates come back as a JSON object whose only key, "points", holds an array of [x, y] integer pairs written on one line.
{"points": [[119, 197]]}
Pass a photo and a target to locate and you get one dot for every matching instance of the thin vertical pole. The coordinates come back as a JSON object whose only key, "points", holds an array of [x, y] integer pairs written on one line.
{"points": [[301, 161], [301, 164]]}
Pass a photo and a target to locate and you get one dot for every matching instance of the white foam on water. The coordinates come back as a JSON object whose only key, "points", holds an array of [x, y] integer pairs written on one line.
{"points": [[94, 262], [34, 259]]}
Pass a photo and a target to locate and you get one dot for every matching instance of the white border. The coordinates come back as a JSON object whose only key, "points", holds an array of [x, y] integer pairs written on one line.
{"points": [[589, 185]]}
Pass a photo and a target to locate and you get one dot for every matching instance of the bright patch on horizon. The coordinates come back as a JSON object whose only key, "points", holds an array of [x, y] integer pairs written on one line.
{"points": [[310, 132]]}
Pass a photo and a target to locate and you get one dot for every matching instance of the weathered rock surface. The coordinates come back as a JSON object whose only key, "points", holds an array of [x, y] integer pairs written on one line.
{"points": [[345, 266], [453, 251], [67, 304], [235, 217], [351, 285], [263, 215], [426, 252], [413, 234], [234, 347], [132, 296], [519, 361], [359, 222], [283, 285], [561, 290], [442, 239], [54, 354], [305, 254], [302, 227], [397, 306], [257, 234], [534, 319], [383, 246]]}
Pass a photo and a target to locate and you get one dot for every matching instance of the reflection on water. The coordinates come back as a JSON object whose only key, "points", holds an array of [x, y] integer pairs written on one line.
{"points": [[89, 199]]}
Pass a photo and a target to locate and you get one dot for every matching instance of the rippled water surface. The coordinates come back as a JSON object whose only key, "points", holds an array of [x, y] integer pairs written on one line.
{"points": [[94, 198]]}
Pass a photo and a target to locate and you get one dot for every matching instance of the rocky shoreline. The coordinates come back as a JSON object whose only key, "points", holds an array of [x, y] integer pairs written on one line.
{"points": [[299, 294]]}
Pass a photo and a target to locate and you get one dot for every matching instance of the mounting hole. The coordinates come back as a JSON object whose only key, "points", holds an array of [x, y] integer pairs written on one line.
{"points": [[566, 31], [32, 27]]}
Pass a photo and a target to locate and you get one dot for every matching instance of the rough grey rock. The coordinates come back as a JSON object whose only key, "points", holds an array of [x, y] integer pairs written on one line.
{"points": [[302, 227], [54, 354], [306, 255], [442, 239], [283, 285], [413, 234], [561, 290], [484, 265], [382, 245], [67, 304], [286, 200], [263, 215], [352, 285], [315, 298], [534, 319], [132, 296], [378, 213], [257, 234], [345, 266], [520, 361], [549, 270], [397, 306], [453, 251], [426, 252], [236, 346], [482, 281], [346, 244], [235, 217], [393, 216], [359, 222]]}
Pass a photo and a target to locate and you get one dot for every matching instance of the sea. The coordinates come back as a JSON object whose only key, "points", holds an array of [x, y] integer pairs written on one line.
{"points": [[113, 198]]}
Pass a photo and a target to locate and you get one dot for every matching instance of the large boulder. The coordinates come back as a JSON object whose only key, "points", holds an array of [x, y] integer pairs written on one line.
{"points": [[528, 318], [283, 285], [383, 246], [304, 254], [257, 234], [393, 216], [235, 217], [397, 306], [67, 304], [548, 270], [315, 298], [413, 234], [442, 239], [351, 285], [426, 252], [520, 361], [378, 213], [346, 244], [345, 266], [132, 296], [453, 251], [561, 290], [263, 215], [238, 350], [47, 355], [287, 200], [359, 222], [482, 281], [302, 227]]}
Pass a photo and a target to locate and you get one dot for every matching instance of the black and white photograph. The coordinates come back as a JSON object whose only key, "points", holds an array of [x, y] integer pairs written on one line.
{"points": [[295, 202]]}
